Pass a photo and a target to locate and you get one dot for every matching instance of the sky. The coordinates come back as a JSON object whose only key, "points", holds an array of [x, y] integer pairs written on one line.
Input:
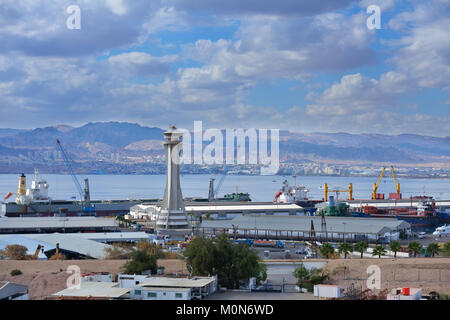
{"points": [[298, 65]]}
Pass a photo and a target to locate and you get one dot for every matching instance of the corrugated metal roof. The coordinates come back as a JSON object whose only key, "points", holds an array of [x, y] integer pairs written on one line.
{"points": [[303, 224], [55, 222], [8, 289], [247, 207], [30, 244], [72, 243], [176, 282], [95, 290]]}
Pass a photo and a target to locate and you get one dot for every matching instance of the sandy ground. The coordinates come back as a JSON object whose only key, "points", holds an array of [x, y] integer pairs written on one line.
{"points": [[44, 278], [430, 274]]}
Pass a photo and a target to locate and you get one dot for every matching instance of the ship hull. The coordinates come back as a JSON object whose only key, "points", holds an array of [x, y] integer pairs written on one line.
{"points": [[415, 220], [70, 208]]}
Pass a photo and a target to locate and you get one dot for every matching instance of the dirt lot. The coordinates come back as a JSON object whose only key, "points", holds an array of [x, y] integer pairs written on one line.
{"points": [[430, 274], [47, 277]]}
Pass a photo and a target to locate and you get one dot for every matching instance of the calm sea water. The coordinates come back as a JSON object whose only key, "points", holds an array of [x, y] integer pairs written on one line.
{"points": [[260, 188]]}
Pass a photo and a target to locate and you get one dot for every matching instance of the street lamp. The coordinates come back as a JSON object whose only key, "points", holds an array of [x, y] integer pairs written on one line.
{"points": [[344, 223]]}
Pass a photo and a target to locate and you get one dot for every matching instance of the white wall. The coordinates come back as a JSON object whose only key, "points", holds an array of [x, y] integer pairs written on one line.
{"points": [[170, 294]]}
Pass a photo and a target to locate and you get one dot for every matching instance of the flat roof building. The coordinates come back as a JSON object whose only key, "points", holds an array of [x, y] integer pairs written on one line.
{"points": [[300, 227]]}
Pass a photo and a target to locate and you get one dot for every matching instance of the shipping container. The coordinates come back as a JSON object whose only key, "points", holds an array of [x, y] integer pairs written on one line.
{"points": [[328, 291]]}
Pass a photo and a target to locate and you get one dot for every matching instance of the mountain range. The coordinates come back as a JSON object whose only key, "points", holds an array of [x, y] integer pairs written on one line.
{"points": [[103, 141]]}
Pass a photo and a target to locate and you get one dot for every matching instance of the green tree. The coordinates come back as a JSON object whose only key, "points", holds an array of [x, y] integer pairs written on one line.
{"points": [[433, 249], [379, 251], [15, 252], [326, 250], [361, 247], [141, 261], [446, 249], [234, 264], [395, 247], [151, 248], [345, 249], [199, 255], [415, 248], [308, 278]]}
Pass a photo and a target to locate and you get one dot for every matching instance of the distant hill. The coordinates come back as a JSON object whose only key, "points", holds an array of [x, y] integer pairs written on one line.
{"points": [[104, 141]]}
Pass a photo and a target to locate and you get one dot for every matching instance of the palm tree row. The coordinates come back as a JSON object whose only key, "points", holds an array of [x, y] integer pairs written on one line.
{"points": [[345, 248]]}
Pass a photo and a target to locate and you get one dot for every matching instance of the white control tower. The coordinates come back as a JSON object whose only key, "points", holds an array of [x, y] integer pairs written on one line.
{"points": [[172, 214]]}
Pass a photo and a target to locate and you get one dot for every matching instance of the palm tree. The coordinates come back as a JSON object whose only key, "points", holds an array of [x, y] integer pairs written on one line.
{"points": [[345, 248], [415, 248], [433, 248], [379, 251], [395, 247], [326, 250], [361, 247]]}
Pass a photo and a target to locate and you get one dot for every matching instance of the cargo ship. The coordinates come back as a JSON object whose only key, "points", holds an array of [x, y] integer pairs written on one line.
{"points": [[296, 194], [418, 211], [34, 201]]}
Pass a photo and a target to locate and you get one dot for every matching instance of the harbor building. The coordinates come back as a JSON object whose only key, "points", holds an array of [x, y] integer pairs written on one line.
{"points": [[172, 214], [222, 210], [307, 228], [139, 287]]}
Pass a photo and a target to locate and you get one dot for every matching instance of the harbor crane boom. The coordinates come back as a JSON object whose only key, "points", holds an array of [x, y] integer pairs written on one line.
{"points": [[377, 184], [326, 191], [84, 196]]}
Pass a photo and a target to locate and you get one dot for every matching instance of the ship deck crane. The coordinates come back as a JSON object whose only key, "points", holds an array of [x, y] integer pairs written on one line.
{"points": [[213, 192], [326, 191], [84, 194], [375, 195]]}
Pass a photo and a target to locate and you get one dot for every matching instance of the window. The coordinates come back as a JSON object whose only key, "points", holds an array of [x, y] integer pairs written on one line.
{"points": [[151, 295], [137, 292], [178, 295]]}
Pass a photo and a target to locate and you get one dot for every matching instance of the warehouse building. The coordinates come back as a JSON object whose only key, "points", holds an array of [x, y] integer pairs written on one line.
{"points": [[307, 228], [222, 210], [13, 291], [56, 224], [72, 246]]}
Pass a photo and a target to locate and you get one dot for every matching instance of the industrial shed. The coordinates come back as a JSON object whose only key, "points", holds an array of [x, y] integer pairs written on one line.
{"points": [[300, 227], [56, 224], [94, 290], [73, 246]]}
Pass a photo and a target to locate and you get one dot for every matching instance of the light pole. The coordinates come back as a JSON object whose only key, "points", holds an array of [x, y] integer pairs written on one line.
{"points": [[344, 223]]}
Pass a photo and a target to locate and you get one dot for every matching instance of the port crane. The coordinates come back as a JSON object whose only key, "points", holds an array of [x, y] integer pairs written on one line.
{"points": [[376, 195], [84, 194], [213, 192], [326, 191]]}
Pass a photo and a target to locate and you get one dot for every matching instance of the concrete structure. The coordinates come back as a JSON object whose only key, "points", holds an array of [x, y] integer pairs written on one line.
{"points": [[161, 293], [187, 288], [94, 290], [398, 294], [56, 224], [299, 228], [328, 291], [140, 287], [172, 214], [13, 291]]}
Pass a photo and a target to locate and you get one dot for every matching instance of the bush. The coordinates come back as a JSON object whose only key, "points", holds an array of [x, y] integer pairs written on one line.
{"points": [[140, 262], [117, 252], [16, 272], [16, 252], [58, 256]]}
